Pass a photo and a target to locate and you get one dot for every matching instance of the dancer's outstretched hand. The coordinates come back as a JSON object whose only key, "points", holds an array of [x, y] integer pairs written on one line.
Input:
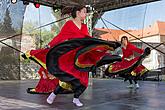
{"points": [[50, 76]]}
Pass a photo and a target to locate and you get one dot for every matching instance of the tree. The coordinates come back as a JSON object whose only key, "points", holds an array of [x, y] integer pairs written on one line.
{"points": [[40, 39], [7, 29], [46, 37], [29, 29], [55, 29], [6, 26], [57, 26], [57, 15]]}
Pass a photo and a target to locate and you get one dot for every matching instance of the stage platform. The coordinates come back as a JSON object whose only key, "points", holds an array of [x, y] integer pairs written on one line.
{"points": [[103, 94]]}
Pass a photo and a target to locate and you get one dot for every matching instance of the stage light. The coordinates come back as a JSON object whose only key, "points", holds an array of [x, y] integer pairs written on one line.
{"points": [[13, 1], [37, 5], [25, 2]]}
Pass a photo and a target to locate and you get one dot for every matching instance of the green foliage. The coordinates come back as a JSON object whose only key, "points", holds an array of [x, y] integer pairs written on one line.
{"points": [[6, 27], [43, 38], [57, 26], [57, 15], [28, 28], [46, 37], [26, 61], [55, 29]]}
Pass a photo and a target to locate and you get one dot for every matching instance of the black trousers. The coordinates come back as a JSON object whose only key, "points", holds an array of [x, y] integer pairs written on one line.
{"points": [[130, 81], [129, 77], [132, 78], [78, 88]]}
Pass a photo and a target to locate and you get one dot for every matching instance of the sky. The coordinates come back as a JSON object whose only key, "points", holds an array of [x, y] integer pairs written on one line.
{"points": [[135, 17], [32, 15]]}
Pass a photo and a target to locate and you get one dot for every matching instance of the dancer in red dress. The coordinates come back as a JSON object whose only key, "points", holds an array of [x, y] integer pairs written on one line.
{"points": [[72, 54], [130, 67], [69, 31], [71, 60]]}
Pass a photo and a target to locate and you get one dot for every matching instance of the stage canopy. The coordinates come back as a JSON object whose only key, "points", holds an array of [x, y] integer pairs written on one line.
{"points": [[104, 5]]}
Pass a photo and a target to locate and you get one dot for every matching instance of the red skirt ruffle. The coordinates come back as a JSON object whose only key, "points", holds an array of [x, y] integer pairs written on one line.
{"points": [[89, 58], [46, 85], [125, 64]]}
